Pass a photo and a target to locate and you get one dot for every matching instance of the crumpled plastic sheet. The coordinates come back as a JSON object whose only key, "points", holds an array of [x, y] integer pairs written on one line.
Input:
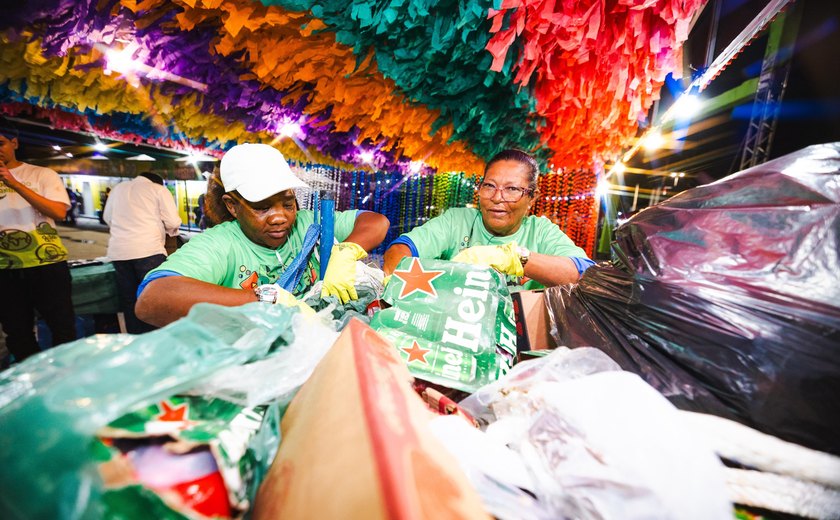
{"points": [[562, 364], [279, 375], [52, 403], [726, 298], [596, 442]]}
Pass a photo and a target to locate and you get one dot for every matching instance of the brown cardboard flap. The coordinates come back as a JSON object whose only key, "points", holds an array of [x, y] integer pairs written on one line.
{"points": [[532, 321], [356, 444]]}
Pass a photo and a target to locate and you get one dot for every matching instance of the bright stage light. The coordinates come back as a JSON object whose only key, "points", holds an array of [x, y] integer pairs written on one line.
{"points": [[687, 106], [653, 141], [416, 166], [601, 188], [121, 61], [290, 130]]}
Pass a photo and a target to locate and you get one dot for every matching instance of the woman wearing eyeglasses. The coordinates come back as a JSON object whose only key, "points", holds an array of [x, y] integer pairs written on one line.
{"points": [[531, 250]]}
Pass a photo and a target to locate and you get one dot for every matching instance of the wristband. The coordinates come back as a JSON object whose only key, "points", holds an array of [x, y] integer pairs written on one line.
{"points": [[524, 254]]}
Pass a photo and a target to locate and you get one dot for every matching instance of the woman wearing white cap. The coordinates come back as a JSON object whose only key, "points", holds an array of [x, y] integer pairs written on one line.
{"points": [[262, 234]]}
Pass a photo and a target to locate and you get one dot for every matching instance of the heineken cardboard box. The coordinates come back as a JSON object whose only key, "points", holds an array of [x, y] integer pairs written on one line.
{"points": [[532, 322], [452, 323]]}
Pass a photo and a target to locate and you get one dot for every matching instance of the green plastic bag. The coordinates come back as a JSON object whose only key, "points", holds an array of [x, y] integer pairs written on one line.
{"points": [[452, 322], [52, 404]]}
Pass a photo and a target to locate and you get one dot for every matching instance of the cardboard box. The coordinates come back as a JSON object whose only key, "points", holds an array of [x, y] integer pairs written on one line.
{"points": [[532, 323], [356, 444]]}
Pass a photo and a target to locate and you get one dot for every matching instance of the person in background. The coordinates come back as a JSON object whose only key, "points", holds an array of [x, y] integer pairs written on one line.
{"points": [[259, 232], [140, 213], [198, 211], [531, 250], [103, 200], [70, 218], [80, 203], [33, 262]]}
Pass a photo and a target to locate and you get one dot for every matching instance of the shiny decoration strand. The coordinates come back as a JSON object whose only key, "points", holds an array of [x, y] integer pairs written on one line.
{"points": [[568, 199]]}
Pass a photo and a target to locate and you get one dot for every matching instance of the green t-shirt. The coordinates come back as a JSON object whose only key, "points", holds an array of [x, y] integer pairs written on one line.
{"points": [[456, 229], [223, 255]]}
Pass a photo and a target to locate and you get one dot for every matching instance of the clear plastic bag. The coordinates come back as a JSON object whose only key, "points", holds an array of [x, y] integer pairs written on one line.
{"points": [[278, 376], [599, 446], [562, 364]]}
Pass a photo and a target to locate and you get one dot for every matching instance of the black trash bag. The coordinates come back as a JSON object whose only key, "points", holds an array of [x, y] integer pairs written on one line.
{"points": [[726, 298]]}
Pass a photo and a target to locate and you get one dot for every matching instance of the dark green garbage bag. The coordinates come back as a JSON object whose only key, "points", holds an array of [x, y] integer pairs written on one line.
{"points": [[451, 322]]}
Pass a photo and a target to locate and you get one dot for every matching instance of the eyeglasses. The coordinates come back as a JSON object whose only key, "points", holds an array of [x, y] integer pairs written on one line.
{"points": [[487, 190]]}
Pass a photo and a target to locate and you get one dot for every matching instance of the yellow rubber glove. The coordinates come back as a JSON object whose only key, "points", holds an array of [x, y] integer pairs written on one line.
{"points": [[288, 299], [340, 278], [504, 258]]}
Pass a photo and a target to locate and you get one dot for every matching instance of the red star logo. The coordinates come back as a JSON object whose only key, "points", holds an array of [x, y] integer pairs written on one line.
{"points": [[170, 413], [416, 353], [417, 280]]}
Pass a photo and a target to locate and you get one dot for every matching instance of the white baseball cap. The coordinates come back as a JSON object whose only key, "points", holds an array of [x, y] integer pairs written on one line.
{"points": [[257, 171]]}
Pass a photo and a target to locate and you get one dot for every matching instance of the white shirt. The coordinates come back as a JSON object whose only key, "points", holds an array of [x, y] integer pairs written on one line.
{"points": [[16, 212], [28, 238], [141, 213]]}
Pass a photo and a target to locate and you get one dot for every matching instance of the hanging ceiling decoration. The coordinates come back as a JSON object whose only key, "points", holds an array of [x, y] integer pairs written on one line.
{"points": [[349, 84]]}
